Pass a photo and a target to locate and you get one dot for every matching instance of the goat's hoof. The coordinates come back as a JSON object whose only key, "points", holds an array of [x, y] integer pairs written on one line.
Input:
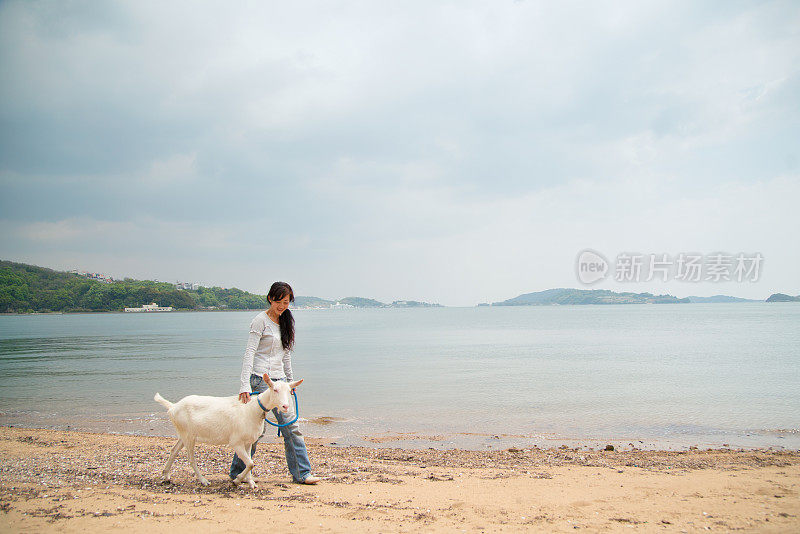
{"points": [[205, 482], [253, 485]]}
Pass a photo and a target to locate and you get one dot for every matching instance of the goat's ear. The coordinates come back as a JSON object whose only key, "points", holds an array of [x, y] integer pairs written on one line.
{"points": [[296, 383], [267, 380]]}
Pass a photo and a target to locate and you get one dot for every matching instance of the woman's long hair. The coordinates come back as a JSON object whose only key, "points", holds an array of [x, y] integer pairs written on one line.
{"points": [[278, 291]]}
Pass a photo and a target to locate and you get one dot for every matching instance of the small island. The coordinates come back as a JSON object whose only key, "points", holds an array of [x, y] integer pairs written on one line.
{"points": [[780, 297], [301, 302], [568, 296]]}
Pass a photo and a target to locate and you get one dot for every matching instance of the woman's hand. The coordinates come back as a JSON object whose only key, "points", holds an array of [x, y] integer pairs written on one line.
{"points": [[244, 397]]}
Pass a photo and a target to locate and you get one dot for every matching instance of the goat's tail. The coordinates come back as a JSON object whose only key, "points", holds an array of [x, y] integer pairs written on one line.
{"points": [[162, 401]]}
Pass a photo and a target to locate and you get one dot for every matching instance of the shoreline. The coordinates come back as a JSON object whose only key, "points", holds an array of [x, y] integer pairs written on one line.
{"points": [[342, 432], [338, 432], [69, 481]]}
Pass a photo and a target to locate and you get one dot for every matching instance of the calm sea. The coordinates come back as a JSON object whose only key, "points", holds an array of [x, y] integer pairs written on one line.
{"points": [[653, 375]]}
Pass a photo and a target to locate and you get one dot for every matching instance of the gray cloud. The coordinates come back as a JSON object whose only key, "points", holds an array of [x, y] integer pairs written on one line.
{"points": [[368, 146]]}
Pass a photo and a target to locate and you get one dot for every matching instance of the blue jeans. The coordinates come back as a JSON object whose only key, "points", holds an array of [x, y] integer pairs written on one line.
{"points": [[293, 442]]}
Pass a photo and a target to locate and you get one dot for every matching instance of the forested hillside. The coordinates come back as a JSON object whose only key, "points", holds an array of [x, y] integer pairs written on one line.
{"points": [[28, 288]]}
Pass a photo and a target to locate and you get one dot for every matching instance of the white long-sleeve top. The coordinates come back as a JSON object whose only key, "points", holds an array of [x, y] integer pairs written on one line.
{"points": [[264, 352]]}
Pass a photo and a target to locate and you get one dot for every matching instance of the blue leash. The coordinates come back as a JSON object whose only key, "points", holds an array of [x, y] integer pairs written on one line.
{"points": [[296, 413]]}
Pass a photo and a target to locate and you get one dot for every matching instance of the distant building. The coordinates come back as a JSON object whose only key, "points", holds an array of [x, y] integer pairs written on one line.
{"points": [[194, 286], [150, 308], [104, 278]]}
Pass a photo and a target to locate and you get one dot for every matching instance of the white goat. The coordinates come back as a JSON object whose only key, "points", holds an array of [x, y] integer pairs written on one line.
{"points": [[224, 421]]}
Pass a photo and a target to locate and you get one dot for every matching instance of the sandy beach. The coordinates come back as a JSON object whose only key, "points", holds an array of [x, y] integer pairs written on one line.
{"points": [[77, 482]]}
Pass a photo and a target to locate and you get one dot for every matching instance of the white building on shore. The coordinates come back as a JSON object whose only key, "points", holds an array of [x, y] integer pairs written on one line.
{"points": [[150, 308]]}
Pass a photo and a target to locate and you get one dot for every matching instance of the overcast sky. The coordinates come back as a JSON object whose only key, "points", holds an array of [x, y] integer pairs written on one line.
{"points": [[453, 152]]}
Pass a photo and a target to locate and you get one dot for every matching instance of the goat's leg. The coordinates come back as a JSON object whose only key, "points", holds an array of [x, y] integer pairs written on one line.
{"points": [[244, 455], [249, 477], [175, 450], [190, 452]]}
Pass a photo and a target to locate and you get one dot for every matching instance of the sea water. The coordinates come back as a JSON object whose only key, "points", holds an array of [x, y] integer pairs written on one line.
{"points": [[667, 375]]}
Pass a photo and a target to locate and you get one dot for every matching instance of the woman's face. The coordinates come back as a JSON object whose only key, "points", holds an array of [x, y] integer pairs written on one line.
{"points": [[279, 306]]}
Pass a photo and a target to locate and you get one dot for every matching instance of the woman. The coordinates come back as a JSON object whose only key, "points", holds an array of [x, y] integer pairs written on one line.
{"points": [[269, 351]]}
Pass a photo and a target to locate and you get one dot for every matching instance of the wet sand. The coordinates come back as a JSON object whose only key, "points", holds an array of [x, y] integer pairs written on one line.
{"points": [[78, 481]]}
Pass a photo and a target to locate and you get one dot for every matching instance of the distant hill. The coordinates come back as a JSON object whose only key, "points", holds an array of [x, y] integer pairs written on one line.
{"points": [[28, 288], [780, 297], [358, 302], [361, 302], [719, 299], [567, 296], [311, 302]]}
